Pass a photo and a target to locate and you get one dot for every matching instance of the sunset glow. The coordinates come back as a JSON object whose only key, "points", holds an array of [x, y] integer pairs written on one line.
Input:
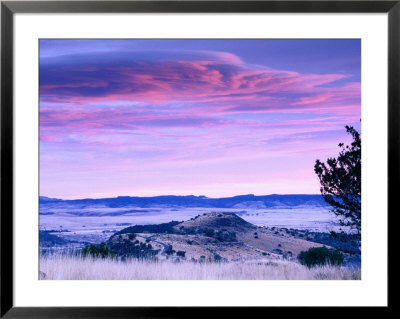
{"points": [[193, 117]]}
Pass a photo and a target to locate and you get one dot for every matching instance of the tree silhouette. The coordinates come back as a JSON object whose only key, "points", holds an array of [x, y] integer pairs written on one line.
{"points": [[340, 180]]}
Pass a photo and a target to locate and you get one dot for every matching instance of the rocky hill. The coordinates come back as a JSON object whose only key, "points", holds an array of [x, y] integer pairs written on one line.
{"points": [[211, 236], [217, 222]]}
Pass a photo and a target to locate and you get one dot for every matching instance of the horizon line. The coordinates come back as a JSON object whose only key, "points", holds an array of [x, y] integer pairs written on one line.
{"points": [[204, 196]]}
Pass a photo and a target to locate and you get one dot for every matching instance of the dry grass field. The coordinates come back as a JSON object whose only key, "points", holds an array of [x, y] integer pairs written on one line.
{"points": [[76, 268]]}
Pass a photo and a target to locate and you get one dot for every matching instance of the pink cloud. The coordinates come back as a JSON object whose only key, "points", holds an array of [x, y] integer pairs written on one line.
{"points": [[202, 81]]}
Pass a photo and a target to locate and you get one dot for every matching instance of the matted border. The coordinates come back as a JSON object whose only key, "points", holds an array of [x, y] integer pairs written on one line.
{"points": [[8, 8]]}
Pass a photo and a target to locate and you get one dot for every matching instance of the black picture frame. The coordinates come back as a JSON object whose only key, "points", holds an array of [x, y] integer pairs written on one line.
{"points": [[9, 8]]}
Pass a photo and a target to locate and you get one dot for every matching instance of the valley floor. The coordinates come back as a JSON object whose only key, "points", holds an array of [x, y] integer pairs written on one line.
{"points": [[57, 267]]}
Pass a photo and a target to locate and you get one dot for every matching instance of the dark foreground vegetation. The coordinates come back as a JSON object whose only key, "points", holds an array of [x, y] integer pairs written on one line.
{"points": [[120, 250], [319, 256]]}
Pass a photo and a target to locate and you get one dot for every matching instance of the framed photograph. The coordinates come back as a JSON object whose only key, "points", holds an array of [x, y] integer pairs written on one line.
{"points": [[158, 156]]}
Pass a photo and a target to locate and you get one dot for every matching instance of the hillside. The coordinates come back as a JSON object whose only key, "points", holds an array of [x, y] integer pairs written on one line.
{"points": [[211, 236]]}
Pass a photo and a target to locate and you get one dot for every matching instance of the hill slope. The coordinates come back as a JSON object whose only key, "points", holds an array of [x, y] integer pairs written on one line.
{"points": [[212, 236]]}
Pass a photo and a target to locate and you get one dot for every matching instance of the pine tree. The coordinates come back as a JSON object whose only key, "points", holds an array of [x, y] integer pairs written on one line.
{"points": [[340, 180]]}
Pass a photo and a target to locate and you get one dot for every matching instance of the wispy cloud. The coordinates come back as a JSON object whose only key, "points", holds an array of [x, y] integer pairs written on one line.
{"points": [[168, 109]]}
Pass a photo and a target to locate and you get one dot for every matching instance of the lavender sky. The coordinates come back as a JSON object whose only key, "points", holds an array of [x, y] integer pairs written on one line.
{"points": [[202, 117]]}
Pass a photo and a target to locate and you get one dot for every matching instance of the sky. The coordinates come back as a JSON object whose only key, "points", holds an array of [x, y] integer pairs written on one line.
{"points": [[193, 117]]}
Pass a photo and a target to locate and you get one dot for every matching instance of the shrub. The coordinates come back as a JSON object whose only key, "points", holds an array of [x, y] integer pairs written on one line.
{"points": [[209, 232], [320, 256], [96, 251], [181, 253], [169, 250], [125, 249], [225, 236], [131, 236]]}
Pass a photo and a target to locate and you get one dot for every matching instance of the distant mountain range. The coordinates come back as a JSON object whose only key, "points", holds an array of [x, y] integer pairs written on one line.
{"points": [[241, 201]]}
